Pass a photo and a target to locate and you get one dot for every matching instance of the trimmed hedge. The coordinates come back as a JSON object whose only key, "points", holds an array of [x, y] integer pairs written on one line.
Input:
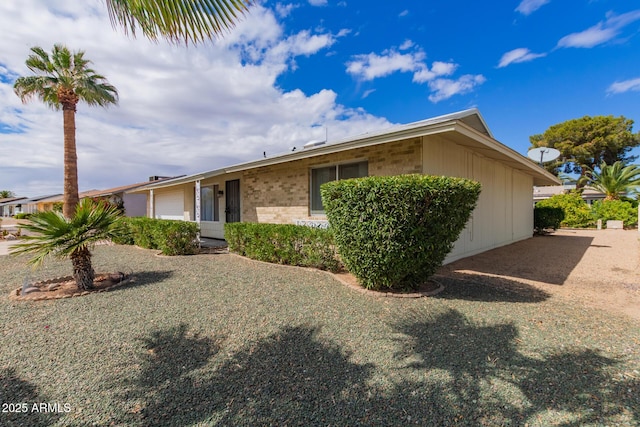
{"points": [[547, 217], [283, 244], [615, 210], [577, 212], [394, 232], [170, 237]]}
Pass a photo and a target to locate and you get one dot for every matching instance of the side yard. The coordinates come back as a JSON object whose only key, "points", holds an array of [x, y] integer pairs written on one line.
{"points": [[222, 340]]}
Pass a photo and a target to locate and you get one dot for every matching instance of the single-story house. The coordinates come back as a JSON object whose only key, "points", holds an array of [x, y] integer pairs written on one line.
{"points": [[285, 188], [589, 194], [33, 204], [135, 204], [11, 206]]}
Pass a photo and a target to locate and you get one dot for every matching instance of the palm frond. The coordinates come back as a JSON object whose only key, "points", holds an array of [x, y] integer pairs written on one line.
{"points": [[179, 21], [54, 235]]}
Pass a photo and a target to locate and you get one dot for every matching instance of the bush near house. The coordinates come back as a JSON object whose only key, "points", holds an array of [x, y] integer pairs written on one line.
{"points": [[170, 237], [577, 213], [394, 232], [545, 217], [22, 215], [284, 244], [615, 210]]}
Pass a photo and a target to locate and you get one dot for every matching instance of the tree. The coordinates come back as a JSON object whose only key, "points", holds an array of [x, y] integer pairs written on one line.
{"points": [[75, 237], [614, 180], [176, 20], [5, 194], [587, 142], [61, 81]]}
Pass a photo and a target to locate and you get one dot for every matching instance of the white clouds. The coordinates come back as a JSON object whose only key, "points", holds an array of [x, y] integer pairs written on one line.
{"points": [[517, 56], [527, 7], [446, 88], [438, 69], [318, 2], [368, 67], [182, 110], [624, 86], [600, 33]]}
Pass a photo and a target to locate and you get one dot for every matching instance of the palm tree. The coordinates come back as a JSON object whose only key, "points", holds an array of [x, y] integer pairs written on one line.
{"points": [[61, 81], [56, 235], [5, 194], [176, 20], [614, 180]]}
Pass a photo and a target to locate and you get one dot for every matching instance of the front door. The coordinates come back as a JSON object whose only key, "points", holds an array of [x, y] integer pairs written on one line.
{"points": [[232, 205]]}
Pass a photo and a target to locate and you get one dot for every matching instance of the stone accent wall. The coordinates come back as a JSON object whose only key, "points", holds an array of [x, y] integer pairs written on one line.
{"points": [[280, 193]]}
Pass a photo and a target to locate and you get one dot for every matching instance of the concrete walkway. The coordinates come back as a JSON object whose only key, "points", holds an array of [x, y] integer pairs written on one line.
{"points": [[5, 245]]}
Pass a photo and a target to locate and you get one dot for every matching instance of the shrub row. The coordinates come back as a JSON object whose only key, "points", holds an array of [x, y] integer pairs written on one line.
{"points": [[394, 232], [170, 237], [545, 217], [283, 244], [578, 214]]}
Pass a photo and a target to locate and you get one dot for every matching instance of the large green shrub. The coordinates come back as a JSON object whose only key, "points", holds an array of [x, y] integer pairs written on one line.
{"points": [[615, 210], [545, 217], [394, 232], [283, 244], [171, 237], [576, 211]]}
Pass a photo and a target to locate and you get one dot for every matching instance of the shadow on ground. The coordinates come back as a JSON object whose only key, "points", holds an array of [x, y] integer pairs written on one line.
{"points": [[476, 287], [17, 394], [548, 259], [144, 278], [446, 371]]}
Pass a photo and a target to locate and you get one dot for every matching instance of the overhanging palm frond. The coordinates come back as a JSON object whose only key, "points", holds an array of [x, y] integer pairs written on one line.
{"points": [[176, 20], [54, 235]]}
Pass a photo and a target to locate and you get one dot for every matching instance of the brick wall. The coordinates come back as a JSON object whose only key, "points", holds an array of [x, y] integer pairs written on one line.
{"points": [[280, 193]]}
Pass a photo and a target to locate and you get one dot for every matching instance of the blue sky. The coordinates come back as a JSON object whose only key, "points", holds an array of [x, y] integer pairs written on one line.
{"points": [[290, 70]]}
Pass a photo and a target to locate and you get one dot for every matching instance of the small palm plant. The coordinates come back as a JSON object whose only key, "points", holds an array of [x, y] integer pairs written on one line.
{"points": [[614, 180], [61, 237]]}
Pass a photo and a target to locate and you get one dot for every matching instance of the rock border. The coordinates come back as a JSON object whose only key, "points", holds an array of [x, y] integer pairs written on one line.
{"points": [[15, 295]]}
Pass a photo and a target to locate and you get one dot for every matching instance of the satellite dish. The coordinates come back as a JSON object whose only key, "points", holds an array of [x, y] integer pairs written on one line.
{"points": [[543, 154]]}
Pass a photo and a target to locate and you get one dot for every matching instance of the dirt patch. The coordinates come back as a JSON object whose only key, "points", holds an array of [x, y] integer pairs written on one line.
{"points": [[597, 268], [65, 287], [429, 288]]}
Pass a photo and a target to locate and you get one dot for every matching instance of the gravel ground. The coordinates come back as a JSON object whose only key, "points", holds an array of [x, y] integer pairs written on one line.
{"points": [[222, 340]]}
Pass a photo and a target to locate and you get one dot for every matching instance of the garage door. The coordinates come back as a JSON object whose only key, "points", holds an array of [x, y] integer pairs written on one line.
{"points": [[169, 205]]}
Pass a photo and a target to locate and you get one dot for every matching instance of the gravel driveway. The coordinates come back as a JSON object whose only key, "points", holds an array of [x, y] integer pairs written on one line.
{"points": [[598, 268]]}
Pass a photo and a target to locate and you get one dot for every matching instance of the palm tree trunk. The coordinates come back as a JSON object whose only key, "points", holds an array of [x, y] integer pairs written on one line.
{"points": [[83, 272], [70, 196]]}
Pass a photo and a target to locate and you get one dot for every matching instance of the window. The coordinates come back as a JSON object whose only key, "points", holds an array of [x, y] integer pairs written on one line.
{"points": [[209, 206], [322, 175]]}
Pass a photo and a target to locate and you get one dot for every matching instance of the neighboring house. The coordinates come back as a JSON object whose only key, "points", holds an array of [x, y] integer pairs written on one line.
{"points": [[135, 204], [285, 188], [589, 195], [34, 204], [11, 206]]}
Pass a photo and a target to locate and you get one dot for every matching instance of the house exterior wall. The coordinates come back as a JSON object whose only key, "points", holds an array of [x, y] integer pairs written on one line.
{"points": [[504, 212], [134, 204], [280, 193]]}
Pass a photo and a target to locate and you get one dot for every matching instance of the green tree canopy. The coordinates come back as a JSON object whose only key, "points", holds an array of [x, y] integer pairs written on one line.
{"points": [[587, 142], [5, 194]]}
